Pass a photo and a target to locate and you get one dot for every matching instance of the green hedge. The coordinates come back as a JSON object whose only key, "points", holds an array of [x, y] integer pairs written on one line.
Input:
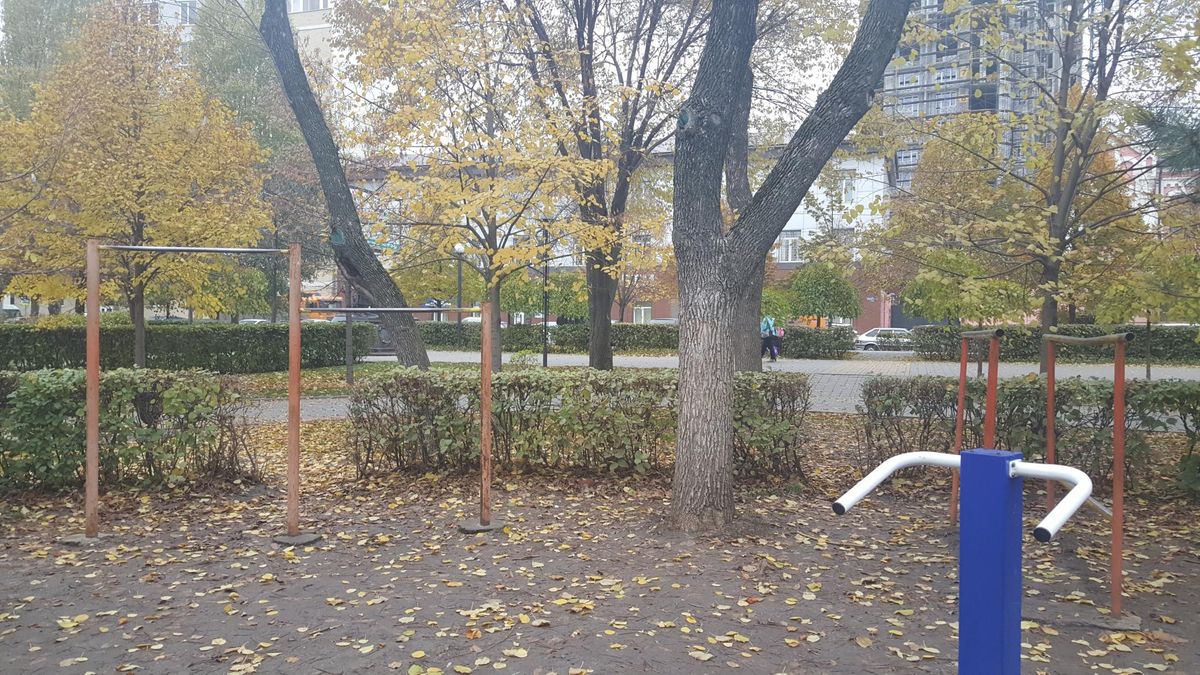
{"points": [[156, 428], [220, 347], [585, 421], [817, 343], [908, 414], [798, 343], [1164, 344]]}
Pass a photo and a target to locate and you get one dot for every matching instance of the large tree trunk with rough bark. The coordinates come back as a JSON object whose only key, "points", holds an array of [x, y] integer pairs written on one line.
{"points": [[715, 261], [747, 345], [355, 259]]}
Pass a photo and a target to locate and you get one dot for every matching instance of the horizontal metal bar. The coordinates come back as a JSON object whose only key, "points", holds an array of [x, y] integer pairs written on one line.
{"points": [[1098, 340], [982, 334], [193, 249], [390, 310], [890, 466], [1078, 481]]}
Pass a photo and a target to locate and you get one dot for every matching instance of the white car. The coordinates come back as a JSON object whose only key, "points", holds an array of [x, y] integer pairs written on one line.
{"points": [[253, 322], [883, 338]]}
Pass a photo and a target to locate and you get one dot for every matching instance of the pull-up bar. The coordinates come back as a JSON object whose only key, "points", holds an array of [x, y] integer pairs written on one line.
{"points": [[92, 404], [195, 249], [385, 310], [992, 336], [1117, 544]]}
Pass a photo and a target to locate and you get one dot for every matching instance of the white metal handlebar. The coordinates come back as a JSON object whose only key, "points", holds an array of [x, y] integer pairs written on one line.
{"points": [[1081, 489], [890, 466], [1080, 484]]}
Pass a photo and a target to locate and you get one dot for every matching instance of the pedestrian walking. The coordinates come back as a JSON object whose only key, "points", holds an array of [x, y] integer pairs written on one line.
{"points": [[770, 342]]}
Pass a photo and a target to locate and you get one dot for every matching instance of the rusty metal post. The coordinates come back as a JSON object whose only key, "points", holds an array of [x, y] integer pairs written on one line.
{"points": [[92, 470], [485, 418], [989, 413], [485, 523], [960, 415], [1118, 496], [293, 456], [1051, 420]]}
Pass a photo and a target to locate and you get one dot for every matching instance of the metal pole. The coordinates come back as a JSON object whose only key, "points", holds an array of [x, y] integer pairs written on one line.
{"points": [[92, 471], [960, 415], [989, 565], [1118, 505], [348, 301], [545, 309], [1051, 420], [485, 417], [989, 413], [293, 458], [458, 300]]}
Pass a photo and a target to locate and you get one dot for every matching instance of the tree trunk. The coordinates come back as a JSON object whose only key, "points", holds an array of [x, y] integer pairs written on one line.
{"points": [[355, 259], [54, 308], [716, 260], [602, 290], [702, 489], [35, 308], [137, 312], [747, 344], [1048, 318], [496, 347]]}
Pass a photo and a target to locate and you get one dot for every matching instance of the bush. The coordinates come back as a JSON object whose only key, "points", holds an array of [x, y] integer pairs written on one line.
{"points": [[585, 421], [219, 347], [1163, 344], [156, 428], [908, 414], [817, 343]]}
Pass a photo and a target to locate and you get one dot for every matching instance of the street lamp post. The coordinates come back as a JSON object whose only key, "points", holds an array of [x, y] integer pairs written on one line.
{"points": [[545, 300], [458, 253]]}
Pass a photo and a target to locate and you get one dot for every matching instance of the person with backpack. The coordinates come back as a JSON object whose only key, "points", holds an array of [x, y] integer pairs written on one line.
{"points": [[770, 341]]}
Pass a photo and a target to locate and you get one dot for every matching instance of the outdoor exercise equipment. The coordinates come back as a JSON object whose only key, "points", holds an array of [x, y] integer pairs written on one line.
{"points": [[989, 558], [992, 336], [92, 402], [1118, 341]]}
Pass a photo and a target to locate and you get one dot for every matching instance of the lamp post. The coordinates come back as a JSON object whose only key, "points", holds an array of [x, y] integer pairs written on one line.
{"points": [[545, 300], [458, 253]]}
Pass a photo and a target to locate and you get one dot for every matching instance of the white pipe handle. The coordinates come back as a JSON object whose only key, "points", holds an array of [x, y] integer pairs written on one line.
{"points": [[882, 472], [1081, 489]]}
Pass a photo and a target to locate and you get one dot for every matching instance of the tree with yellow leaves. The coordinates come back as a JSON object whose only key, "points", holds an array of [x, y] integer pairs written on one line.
{"points": [[123, 145], [481, 163]]}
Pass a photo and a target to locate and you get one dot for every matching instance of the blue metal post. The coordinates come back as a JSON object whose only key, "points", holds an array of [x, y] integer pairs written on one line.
{"points": [[989, 565]]}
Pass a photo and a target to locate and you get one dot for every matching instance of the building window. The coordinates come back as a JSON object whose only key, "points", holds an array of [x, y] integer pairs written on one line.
{"points": [[309, 5], [791, 246], [845, 186], [908, 157], [909, 105], [946, 75], [188, 12], [642, 313], [945, 104], [908, 79]]}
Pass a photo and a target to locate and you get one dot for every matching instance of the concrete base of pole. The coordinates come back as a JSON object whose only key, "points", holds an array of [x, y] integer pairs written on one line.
{"points": [[302, 539], [82, 539], [476, 527]]}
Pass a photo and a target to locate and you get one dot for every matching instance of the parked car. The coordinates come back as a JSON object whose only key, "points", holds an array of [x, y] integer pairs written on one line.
{"points": [[671, 321], [476, 319], [253, 322], [883, 338]]}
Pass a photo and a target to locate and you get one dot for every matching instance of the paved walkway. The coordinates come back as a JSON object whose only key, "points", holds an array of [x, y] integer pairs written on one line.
{"points": [[836, 384]]}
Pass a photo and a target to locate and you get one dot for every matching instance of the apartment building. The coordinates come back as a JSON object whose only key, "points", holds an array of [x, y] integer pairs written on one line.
{"points": [[956, 73]]}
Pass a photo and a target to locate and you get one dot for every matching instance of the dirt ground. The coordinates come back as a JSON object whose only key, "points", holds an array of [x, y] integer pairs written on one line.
{"points": [[585, 578]]}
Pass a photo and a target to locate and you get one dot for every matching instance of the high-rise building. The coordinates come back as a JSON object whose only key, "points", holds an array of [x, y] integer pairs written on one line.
{"points": [[953, 72]]}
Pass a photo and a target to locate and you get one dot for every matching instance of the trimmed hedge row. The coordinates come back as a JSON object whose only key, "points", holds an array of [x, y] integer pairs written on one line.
{"points": [[585, 421], [219, 347], [1163, 344], [908, 414], [798, 343], [156, 428]]}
